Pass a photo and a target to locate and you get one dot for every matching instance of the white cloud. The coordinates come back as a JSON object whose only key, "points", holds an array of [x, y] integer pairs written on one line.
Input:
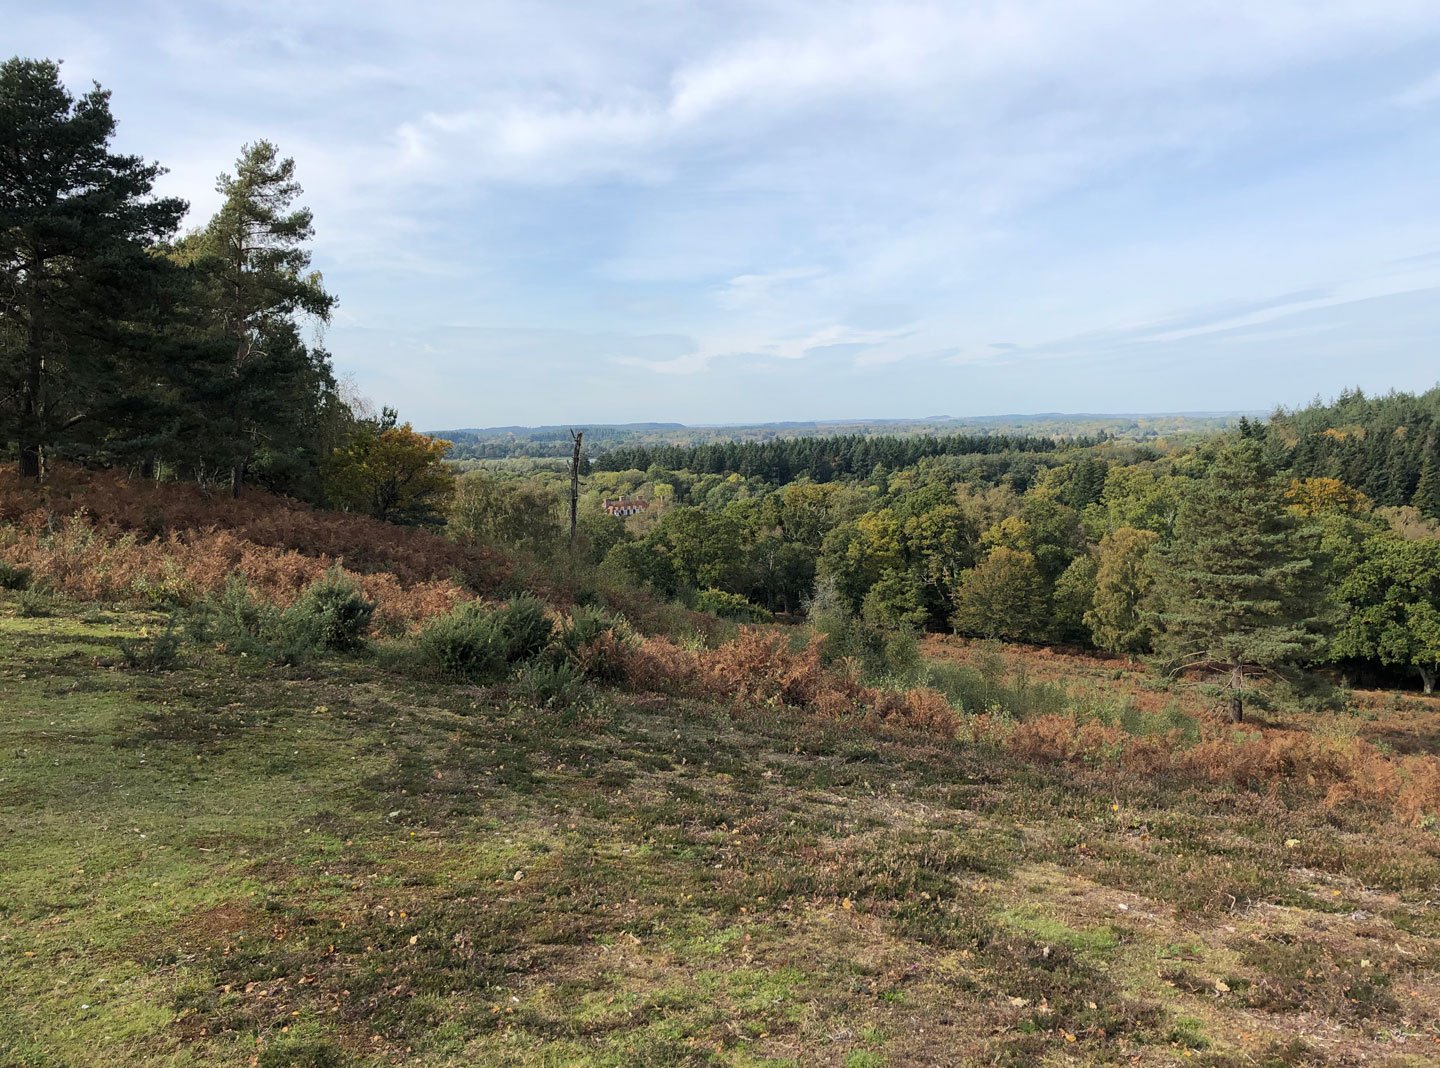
{"points": [[863, 184]]}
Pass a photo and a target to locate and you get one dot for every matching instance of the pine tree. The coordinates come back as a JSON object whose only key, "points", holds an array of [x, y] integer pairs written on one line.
{"points": [[254, 255], [83, 359], [1235, 587], [1427, 491]]}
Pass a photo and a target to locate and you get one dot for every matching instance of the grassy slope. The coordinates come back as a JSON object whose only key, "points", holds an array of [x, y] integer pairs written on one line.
{"points": [[225, 865]]}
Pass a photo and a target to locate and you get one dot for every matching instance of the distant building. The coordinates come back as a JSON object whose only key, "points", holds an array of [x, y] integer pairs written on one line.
{"points": [[624, 507]]}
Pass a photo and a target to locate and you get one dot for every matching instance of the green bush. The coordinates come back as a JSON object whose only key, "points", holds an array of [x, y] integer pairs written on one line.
{"points": [[332, 614], [986, 684], [579, 643], [170, 591], [36, 602], [242, 623], [881, 652], [234, 619], [14, 577], [966, 688], [153, 652], [525, 628], [468, 643], [730, 606], [549, 684]]}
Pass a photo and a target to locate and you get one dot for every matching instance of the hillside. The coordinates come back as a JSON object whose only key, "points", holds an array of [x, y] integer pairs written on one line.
{"points": [[227, 862]]}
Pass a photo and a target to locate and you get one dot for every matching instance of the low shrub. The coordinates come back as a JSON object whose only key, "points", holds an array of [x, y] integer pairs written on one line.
{"points": [[525, 628], [660, 665], [728, 605], [324, 618], [97, 562], [35, 602], [879, 652], [549, 684], [468, 644], [235, 619], [921, 709], [153, 652], [13, 577], [331, 614], [594, 641]]}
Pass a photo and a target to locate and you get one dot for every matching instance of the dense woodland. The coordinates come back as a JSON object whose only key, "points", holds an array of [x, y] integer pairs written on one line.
{"points": [[1239, 556], [1309, 539], [541, 442]]}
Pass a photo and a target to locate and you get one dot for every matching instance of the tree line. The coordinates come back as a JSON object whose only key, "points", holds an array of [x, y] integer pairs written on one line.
{"points": [[1388, 447], [820, 459]]}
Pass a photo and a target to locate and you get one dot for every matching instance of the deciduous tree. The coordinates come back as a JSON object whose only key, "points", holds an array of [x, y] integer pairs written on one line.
{"points": [[1002, 597], [1393, 606], [392, 473], [1117, 618]]}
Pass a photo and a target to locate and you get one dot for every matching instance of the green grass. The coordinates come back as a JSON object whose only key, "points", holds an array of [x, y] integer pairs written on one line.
{"points": [[336, 864]]}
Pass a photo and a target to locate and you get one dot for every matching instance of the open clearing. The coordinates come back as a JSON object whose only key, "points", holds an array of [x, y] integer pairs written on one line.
{"points": [[226, 864]]}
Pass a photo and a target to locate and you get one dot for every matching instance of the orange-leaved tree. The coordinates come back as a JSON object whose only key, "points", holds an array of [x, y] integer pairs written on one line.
{"points": [[391, 472]]}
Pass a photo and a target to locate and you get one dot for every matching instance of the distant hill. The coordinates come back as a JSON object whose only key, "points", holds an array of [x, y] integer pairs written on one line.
{"points": [[539, 442]]}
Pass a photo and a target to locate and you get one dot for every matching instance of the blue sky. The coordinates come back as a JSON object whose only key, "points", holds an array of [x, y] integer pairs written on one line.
{"points": [[714, 212]]}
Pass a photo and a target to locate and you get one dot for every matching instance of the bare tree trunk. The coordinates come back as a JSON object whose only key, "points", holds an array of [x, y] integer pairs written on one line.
{"points": [[1427, 677], [577, 436], [32, 406], [1237, 687], [30, 466]]}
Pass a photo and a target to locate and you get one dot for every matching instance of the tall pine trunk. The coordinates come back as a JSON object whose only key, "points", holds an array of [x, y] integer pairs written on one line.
{"points": [[32, 407], [1237, 687]]}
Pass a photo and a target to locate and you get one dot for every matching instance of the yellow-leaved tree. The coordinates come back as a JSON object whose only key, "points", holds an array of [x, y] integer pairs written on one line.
{"points": [[391, 472]]}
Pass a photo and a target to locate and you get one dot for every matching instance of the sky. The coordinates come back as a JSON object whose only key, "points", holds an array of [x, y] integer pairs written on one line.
{"points": [[725, 211]]}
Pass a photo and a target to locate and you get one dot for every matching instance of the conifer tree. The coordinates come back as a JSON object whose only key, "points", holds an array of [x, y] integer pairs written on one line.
{"points": [[1427, 491], [1236, 589], [83, 359], [254, 256]]}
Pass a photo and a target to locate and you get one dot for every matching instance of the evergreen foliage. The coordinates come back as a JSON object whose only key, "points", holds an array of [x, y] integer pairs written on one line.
{"points": [[333, 613], [1427, 487], [819, 459], [85, 364], [255, 263], [1378, 445], [1235, 588]]}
